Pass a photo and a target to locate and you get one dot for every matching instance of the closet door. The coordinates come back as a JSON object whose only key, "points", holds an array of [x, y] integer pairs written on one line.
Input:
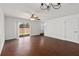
{"points": [[72, 29]]}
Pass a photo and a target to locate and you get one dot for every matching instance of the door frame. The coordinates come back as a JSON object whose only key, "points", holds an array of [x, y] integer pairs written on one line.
{"points": [[18, 28]]}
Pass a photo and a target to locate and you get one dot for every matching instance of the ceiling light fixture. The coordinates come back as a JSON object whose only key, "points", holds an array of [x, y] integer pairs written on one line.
{"points": [[47, 6]]}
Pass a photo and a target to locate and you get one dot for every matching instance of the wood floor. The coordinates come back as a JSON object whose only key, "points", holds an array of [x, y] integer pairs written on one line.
{"points": [[39, 46]]}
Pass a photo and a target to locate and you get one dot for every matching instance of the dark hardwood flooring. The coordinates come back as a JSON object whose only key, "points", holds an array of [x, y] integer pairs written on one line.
{"points": [[39, 46]]}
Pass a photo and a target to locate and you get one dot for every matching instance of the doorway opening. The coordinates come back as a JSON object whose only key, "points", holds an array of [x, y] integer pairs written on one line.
{"points": [[24, 30]]}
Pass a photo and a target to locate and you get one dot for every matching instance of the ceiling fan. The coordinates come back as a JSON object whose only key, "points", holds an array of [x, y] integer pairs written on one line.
{"points": [[34, 17]]}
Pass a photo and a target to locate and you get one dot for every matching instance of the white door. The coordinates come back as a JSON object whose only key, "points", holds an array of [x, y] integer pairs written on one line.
{"points": [[72, 29], [35, 27], [1, 31]]}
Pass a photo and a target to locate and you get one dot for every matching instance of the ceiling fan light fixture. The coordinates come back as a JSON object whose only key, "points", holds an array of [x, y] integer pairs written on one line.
{"points": [[34, 17], [46, 6], [58, 3], [42, 4]]}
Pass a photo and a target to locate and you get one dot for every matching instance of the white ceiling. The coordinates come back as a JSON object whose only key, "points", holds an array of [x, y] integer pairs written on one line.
{"points": [[24, 10]]}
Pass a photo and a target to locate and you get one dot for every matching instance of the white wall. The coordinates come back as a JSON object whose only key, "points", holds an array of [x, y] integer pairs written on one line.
{"points": [[64, 28], [55, 28], [2, 36], [72, 28], [11, 24]]}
